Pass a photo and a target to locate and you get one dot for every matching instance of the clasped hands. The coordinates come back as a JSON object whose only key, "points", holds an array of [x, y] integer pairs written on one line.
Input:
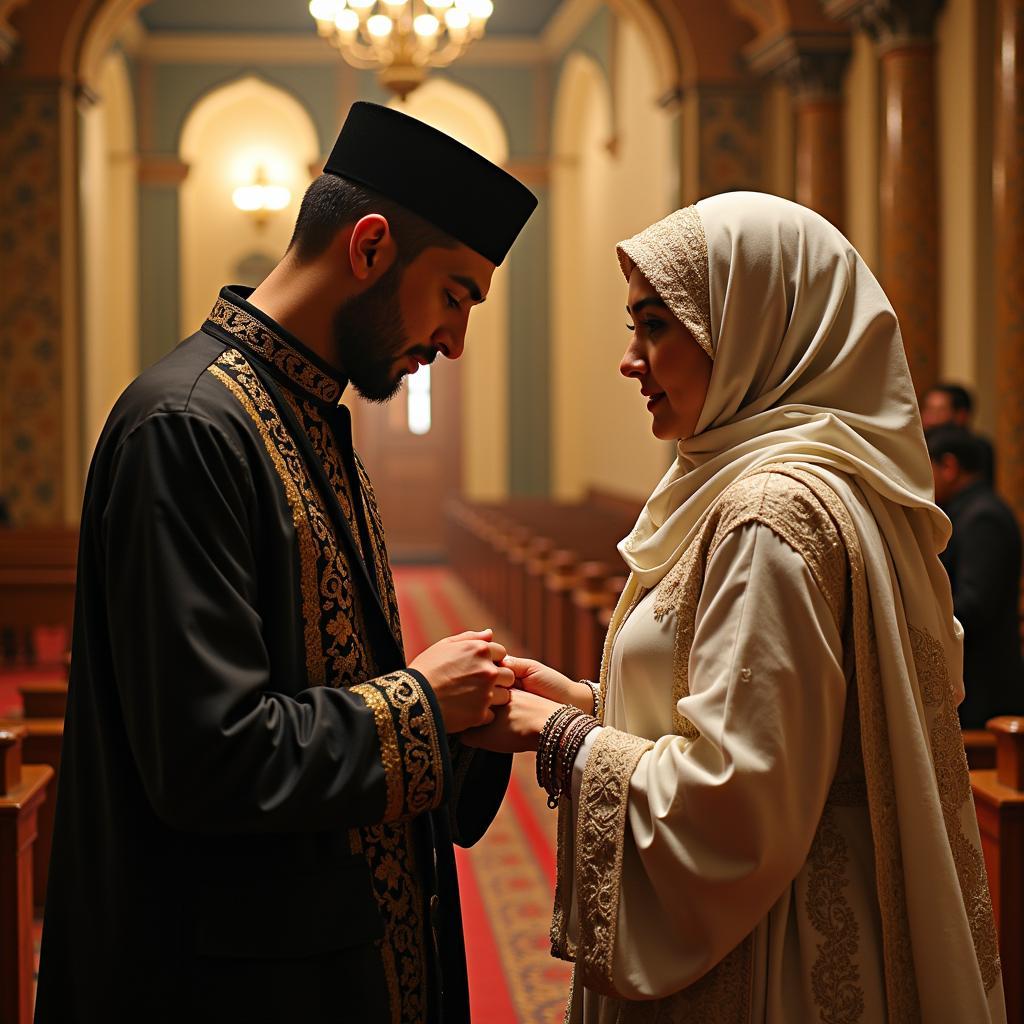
{"points": [[491, 699]]}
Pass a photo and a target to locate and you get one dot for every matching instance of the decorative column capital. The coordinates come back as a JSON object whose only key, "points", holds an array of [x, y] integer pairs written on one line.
{"points": [[889, 22], [812, 65], [8, 37], [8, 41]]}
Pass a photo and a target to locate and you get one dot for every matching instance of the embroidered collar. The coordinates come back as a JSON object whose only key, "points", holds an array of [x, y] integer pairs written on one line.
{"points": [[279, 349]]}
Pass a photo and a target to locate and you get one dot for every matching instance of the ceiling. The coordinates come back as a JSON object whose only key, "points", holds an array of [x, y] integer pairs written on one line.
{"points": [[511, 17]]}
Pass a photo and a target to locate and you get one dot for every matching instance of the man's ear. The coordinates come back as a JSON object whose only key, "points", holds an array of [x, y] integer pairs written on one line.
{"points": [[371, 247]]}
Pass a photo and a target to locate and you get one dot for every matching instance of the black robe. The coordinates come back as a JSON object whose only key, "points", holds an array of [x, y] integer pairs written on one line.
{"points": [[257, 798], [983, 560]]}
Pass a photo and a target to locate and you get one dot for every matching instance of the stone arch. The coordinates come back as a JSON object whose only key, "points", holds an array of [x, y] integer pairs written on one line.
{"points": [[601, 194], [582, 116], [91, 36], [460, 112], [231, 131]]}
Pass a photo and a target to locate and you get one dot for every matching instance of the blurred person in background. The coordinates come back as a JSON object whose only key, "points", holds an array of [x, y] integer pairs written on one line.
{"points": [[951, 404], [983, 559]]}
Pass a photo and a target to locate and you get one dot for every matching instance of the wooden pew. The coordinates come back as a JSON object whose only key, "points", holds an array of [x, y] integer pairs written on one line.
{"points": [[525, 558], [999, 802], [37, 581], [41, 744], [980, 747], [22, 790]]}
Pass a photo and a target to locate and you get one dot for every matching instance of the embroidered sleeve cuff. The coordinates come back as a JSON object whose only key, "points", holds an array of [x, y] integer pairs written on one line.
{"points": [[413, 744], [600, 837]]}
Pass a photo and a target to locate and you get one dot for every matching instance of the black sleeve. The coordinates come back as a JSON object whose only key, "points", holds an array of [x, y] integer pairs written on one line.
{"points": [[218, 747], [981, 565], [480, 780]]}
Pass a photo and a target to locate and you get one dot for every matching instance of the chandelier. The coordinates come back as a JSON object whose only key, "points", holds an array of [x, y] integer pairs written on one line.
{"points": [[401, 39]]}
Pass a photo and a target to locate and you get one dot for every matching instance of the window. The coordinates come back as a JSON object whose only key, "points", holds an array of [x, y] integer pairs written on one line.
{"points": [[419, 401]]}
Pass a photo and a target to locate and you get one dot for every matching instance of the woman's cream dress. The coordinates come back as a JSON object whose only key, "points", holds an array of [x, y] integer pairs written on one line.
{"points": [[776, 823]]}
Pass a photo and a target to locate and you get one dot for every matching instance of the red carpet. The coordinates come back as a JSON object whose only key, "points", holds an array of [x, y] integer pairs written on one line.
{"points": [[507, 879]]}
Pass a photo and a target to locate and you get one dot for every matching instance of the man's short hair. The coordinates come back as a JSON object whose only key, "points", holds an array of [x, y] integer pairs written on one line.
{"points": [[332, 202], [959, 442], [959, 397]]}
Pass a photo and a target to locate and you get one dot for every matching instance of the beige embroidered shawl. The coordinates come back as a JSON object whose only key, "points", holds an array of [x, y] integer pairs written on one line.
{"points": [[810, 380]]}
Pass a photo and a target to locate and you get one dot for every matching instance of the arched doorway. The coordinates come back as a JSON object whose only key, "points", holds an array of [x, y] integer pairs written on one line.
{"points": [[237, 131], [614, 172], [447, 431]]}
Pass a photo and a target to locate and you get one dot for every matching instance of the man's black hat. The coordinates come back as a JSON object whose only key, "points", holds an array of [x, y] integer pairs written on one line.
{"points": [[431, 174]]}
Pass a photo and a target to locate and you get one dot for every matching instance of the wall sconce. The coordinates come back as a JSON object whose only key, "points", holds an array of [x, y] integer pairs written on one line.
{"points": [[260, 198]]}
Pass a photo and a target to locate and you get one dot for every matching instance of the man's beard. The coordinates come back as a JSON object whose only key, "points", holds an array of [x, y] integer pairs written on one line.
{"points": [[368, 336]]}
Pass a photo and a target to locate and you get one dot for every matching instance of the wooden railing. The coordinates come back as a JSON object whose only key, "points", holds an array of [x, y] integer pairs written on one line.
{"points": [[22, 790], [999, 802], [548, 571]]}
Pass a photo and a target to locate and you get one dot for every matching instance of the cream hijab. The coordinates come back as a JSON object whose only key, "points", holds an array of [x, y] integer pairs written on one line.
{"points": [[809, 370], [808, 364]]}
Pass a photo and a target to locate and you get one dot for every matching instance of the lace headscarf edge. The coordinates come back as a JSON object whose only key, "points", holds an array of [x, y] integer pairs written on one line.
{"points": [[673, 255]]}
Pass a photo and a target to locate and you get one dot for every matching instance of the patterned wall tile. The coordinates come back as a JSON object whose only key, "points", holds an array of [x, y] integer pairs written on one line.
{"points": [[730, 139], [31, 411]]}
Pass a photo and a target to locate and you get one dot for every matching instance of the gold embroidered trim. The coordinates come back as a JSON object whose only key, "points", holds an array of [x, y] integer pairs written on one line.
{"points": [[835, 980], [673, 255], [290, 480], [787, 508], [561, 945], [388, 849], [272, 347], [409, 743], [334, 632], [385, 580], [954, 783], [902, 996], [342, 627], [679, 592], [389, 755], [604, 797]]}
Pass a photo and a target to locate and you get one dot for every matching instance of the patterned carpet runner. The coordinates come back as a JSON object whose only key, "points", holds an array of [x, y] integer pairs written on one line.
{"points": [[508, 878]]}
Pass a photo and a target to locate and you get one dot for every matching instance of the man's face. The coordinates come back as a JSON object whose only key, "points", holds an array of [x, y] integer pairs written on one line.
{"points": [[937, 410], [947, 476], [409, 316]]}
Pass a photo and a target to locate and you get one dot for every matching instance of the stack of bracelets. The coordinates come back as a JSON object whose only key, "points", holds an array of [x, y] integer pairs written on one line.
{"points": [[560, 741]]}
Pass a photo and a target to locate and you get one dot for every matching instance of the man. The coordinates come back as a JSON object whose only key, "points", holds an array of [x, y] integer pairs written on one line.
{"points": [[983, 560], [952, 404], [258, 797]]}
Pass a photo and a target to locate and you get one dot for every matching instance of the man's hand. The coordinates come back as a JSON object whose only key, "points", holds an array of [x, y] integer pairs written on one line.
{"points": [[467, 678], [546, 682], [516, 726]]}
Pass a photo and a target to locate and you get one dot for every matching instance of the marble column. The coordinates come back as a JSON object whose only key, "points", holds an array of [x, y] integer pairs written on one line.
{"points": [[908, 199], [813, 69], [909, 230], [33, 299], [1008, 215]]}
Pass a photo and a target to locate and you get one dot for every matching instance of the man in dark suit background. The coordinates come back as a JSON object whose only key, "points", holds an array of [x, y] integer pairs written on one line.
{"points": [[983, 560], [951, 404]]}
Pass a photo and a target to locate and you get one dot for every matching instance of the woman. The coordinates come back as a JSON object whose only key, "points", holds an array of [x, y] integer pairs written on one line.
{"points": [[775, 820]]}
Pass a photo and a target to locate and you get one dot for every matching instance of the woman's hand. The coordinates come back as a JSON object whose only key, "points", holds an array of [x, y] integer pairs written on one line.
{"points": [[516, 726], [546, 682]]}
